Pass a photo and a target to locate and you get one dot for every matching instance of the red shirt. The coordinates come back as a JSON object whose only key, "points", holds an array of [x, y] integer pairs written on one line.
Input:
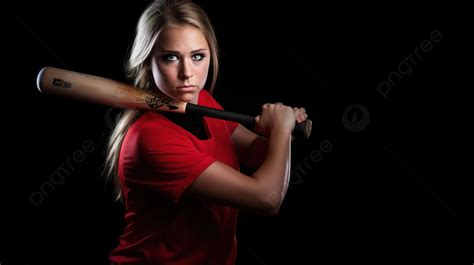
{"points": [[158, 161]]}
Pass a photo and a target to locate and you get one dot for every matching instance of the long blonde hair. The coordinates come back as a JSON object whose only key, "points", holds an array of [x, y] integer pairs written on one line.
{"points": [[156, 17]]}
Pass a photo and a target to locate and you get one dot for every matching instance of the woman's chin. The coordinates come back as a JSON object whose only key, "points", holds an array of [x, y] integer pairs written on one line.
{"points": [[188, 97]]}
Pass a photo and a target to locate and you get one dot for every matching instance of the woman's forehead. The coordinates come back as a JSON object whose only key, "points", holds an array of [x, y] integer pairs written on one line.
{"points": [[182, 38]]}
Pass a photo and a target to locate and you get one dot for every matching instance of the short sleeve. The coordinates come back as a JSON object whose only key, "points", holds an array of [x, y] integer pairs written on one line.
{"points": [[168, 161], [231, 125]]}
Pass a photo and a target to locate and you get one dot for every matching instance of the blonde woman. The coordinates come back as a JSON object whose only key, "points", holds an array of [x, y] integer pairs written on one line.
{"points": [[178, 175]]}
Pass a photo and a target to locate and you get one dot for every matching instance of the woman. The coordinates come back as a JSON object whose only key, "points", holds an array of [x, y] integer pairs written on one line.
{"points": [[179, 175]]}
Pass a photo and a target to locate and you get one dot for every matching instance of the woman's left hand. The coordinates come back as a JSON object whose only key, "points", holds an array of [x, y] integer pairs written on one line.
{"points": [[300, 114]]}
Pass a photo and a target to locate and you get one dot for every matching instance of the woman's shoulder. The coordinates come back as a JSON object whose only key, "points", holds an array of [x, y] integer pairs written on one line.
{"points": [[153, 133], [208, 100], [151, 122]]}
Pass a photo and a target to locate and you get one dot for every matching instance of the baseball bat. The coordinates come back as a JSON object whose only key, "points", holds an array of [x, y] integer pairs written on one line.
{"points": [[104, 91]]}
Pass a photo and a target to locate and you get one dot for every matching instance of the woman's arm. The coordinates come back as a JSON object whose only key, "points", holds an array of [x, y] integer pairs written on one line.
{"points": [[251, 148], [265, 190]]}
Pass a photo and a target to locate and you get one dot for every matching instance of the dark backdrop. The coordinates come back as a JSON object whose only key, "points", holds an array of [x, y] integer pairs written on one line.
{"points": [[379, 181]]}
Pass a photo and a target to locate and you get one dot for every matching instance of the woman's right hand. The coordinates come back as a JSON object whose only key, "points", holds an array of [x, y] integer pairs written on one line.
{"points": [[275, 117]]}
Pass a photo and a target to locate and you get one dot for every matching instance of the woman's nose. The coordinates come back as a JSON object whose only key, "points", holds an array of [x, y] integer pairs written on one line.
{"points": [[185, 71]]}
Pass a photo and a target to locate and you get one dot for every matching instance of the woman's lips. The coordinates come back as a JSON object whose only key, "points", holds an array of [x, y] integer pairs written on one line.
{"points": [[186, 88]]}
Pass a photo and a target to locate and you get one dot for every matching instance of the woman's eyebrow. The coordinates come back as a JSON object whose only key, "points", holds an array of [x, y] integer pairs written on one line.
{"points": [[177, 52]]}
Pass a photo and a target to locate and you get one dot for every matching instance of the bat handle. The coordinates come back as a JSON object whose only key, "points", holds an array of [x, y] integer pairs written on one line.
{"points": [[301, 129]]}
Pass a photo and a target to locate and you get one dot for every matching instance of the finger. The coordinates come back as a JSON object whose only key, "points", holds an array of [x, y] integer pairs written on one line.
{"points": [[300, 119], [300, 110], [304, 117], [300, 114], [257, 119]]}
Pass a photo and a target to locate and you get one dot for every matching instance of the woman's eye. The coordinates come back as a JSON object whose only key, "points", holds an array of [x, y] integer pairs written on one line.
{"points": [[170, 57], [198, 57]]}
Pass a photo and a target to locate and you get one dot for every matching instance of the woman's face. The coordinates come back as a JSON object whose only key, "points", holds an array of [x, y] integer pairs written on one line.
{"points": [[180, 62]]}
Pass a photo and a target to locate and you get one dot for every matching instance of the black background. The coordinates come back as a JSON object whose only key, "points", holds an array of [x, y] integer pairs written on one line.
{"points": [[395, 191]]}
